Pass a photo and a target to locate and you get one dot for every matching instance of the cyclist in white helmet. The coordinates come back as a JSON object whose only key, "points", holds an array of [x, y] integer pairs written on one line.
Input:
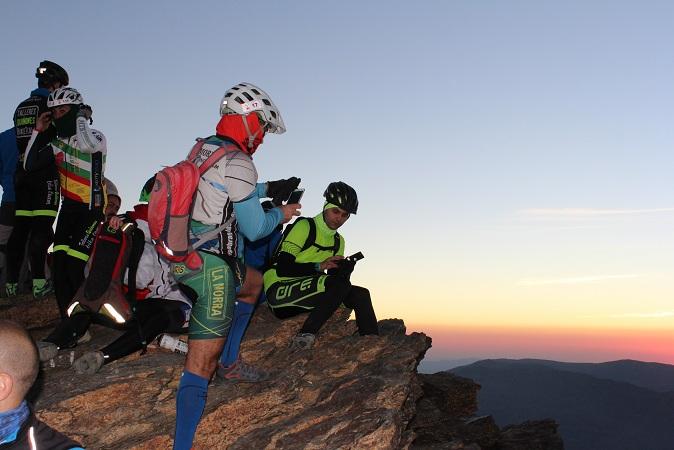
{"points": [[228, 194], [79, 152]]}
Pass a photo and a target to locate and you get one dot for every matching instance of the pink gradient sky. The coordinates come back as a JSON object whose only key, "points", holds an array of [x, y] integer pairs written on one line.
{"points": [[580, 345]]}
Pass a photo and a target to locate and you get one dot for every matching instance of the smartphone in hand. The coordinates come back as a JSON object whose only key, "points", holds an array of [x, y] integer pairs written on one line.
{"points": [[295, 196], [356, 257]]}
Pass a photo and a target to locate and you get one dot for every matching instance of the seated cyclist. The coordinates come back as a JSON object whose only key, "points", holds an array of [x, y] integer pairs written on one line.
{"points": [[161, 306], [297, 283]]}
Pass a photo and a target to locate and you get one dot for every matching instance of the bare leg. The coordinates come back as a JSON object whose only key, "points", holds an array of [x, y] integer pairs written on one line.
{"points": [[252, 287], [202, 356]]}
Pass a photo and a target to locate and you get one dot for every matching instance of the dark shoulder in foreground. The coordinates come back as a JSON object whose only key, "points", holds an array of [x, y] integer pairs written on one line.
{"points": [[36, 435]]}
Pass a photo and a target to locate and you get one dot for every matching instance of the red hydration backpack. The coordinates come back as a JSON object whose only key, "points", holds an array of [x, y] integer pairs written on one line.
{"points": [[114, 251], [170, 205]]}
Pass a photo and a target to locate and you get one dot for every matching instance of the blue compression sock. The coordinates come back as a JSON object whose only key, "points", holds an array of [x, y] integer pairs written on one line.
{"points": [[190, 403], [242, 313]]}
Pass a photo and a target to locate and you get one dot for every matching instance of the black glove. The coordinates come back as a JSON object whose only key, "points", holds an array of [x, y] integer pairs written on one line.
{"points": [[344, 269], [280, 190], [86, 112]]}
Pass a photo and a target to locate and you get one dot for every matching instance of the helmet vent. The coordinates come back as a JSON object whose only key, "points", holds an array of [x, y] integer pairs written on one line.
{"points": [[248, 96]]}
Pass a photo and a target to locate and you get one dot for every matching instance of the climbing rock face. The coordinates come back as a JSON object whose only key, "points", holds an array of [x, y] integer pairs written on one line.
{"points": [[347, 392]]}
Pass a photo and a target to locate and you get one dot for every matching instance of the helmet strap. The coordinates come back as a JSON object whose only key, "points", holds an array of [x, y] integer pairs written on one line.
{"points": [[251, 136]]}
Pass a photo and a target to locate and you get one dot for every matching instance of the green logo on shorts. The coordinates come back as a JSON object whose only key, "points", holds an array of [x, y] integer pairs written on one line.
{"points": [[218, 292]]}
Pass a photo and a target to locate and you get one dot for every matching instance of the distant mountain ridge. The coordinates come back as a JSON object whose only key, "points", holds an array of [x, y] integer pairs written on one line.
{"points": [[443, 365], [658, 377], [620, 405]]}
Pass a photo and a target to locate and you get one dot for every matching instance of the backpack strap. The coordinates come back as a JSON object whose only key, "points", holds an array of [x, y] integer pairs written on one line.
{"points": [[286, 232], [196, 148], [137, 247], [336, 244], [208, 235], [214, 157], [311, 239]]}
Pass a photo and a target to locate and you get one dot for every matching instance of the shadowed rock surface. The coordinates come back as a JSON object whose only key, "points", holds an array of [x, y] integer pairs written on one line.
{"points": [[445, 420], [347, 392]]}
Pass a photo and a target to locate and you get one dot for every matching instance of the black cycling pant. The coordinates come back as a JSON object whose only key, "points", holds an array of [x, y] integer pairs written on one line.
{"points": [[153, 316], [6, 224], [74, 239], [38, 233], [324, 302], [7, 211], [37, 200]]}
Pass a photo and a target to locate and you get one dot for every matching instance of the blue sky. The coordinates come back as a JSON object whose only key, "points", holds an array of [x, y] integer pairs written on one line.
{"points": [[501, 150]]}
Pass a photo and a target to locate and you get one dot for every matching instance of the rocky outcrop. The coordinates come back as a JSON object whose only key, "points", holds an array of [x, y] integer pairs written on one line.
{"points": [[347, 392], [531, 435], [445, 420]]}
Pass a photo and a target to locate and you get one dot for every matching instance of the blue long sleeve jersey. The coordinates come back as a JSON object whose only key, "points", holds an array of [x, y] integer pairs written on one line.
{"points": [[9, 155], [253, 222]]}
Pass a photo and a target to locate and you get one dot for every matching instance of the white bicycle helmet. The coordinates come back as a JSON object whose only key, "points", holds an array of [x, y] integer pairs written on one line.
{"points": [[64, 96], [245, 98]]}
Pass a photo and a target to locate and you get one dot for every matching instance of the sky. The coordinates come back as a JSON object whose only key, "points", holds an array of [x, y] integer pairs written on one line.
{"points": [[512, 159]]}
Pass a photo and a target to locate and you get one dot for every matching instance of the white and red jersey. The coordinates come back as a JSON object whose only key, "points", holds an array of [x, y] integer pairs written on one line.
{"points": [[230, 180]]}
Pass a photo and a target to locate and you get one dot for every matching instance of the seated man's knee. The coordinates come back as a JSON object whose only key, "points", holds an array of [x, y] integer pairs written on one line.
{"points": [[335, 283], [360, 292]]}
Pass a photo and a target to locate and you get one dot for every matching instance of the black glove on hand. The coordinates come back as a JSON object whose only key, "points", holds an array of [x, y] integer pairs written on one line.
{"points": [[280, 190], [344, 270]]}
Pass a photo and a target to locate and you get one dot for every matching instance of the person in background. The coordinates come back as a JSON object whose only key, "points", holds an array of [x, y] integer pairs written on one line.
{"points": [[297, 283], [79, 152], [37, 191], [19, 366], [114, 201], [9, 153]]}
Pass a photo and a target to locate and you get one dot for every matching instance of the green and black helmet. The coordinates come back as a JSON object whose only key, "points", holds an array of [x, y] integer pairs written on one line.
{"points": [[48, 72], [147, 189], [342, 195]]}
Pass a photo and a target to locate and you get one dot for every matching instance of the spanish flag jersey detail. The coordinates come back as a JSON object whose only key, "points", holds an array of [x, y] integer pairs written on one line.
{"points": [[80, 172]]}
